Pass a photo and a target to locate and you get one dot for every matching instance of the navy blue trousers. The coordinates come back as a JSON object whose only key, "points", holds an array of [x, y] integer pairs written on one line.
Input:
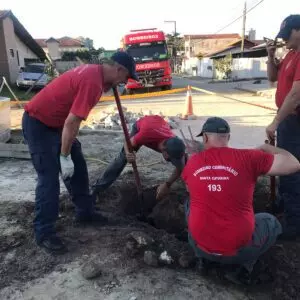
{"points": [[44, 145], [288, 138]]}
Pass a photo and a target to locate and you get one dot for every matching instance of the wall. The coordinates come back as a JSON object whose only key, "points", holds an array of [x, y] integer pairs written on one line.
{"points": [[202, 67], [53, 50], [24, 52], [4, 69], [195, 46], [10, 41], [248, 68], [72, 49], [63, 66]]}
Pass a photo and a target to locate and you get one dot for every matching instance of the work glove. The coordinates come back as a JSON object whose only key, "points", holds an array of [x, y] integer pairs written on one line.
{"points": [[67, 166]]}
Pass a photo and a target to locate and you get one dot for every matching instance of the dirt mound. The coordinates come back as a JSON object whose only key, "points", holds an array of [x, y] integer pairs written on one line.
{"points": [[160, 241]]}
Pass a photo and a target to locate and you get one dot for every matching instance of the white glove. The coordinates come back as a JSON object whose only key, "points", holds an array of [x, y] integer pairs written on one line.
{"points": [[67, 166]]}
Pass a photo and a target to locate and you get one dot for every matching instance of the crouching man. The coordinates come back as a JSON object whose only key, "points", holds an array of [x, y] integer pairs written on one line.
{"points": [[155, 133], [220, 180]]}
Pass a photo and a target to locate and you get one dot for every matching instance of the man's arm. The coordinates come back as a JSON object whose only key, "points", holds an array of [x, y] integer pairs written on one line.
{"points": [[70, 131], [284, 162], [290, 103], [173, 177]]}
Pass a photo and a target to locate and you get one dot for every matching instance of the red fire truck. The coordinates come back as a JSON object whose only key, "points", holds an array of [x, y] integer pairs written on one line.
{"points": [[149, 49]]}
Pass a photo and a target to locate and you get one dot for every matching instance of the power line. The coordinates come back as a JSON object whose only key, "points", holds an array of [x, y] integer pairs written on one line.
{"points": [[238, 18]]}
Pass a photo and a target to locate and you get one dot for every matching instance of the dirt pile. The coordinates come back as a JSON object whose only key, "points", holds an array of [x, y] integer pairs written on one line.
{"points": [[110, 119]]}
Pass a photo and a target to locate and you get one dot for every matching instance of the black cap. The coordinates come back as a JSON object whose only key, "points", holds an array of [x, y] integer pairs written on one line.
{"points": [[289, 23], [176, 149], [215, 125], [125, 60]]}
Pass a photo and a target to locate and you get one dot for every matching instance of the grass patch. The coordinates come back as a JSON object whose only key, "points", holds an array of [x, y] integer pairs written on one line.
{"points": [[18, 92]]}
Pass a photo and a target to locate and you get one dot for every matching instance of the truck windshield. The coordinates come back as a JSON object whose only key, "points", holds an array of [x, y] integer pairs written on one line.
{"points": [[148, 51], [34, 69]]}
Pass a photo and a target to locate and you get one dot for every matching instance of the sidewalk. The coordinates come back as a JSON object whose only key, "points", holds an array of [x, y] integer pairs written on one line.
{"points": [[264, 88]]}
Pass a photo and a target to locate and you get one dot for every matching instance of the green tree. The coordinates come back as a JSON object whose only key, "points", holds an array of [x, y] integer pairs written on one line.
{"points": [[224, 65]]}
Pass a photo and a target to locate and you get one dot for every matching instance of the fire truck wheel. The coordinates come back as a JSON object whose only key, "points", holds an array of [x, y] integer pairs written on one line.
{"points": [[167, 87]]}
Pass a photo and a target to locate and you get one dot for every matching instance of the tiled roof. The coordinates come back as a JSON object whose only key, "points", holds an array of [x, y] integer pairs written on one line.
{"points": [[63, 42]]}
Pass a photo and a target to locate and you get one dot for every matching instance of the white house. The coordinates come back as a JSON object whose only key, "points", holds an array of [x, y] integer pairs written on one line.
{"points": [[16, 46], [56, 47]]}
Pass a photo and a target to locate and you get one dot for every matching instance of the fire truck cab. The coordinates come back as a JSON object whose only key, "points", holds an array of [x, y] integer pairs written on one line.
{"points": [[149, 49]]}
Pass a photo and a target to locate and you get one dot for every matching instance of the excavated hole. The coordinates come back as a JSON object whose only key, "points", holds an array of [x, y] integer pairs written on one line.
{"points": [[167, 214]]}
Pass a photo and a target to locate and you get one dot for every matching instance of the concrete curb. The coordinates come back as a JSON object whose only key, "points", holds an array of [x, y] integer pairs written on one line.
{"points": [[263, 93]]}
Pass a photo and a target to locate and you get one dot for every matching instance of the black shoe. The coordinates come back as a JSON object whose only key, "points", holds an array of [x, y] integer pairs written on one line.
{"points": [[94, 218], [53, 245], [243, 277], [204, 266]]}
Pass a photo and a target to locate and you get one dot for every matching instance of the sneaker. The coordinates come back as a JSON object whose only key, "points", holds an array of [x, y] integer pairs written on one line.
{"points": [[53, 245], [93, 218]]}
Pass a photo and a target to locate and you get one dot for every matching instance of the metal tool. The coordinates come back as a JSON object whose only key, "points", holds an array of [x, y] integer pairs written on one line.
{"points": [[272, 179], [130, 148]]}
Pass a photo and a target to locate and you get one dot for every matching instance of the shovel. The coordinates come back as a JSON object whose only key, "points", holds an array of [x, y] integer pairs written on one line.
{"points": [[272, 180], [128, 142]]}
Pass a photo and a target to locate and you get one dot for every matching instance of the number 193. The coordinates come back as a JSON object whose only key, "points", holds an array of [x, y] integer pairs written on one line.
{"points": [[214, 187]]}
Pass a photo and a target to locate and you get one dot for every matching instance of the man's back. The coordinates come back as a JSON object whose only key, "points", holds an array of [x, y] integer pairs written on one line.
{"points": [[221, 182], [75, 91], [152, 130]]}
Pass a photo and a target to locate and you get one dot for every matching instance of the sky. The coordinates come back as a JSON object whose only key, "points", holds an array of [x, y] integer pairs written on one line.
{"points": [[107, 21]]}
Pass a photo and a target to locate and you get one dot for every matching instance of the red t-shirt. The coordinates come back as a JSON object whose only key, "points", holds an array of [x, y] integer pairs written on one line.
{"points": [[221, 183], [289, 71], [152, 130], [76, 91]]}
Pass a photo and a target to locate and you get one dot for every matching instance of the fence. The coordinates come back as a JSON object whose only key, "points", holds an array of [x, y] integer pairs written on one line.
{"points": [[63, 66], [249, 68]]}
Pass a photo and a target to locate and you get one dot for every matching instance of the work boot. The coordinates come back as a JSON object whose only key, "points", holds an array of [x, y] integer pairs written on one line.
{"points": [[94, 218], [53, 245]]}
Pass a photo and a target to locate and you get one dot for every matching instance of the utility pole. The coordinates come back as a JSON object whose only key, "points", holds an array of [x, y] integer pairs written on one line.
{"points": [[244, 28], [174, 45]]}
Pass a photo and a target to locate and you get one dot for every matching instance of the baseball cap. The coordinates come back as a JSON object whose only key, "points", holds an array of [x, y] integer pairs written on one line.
{"points": [[175, 149], [215, 125], [125, 60], [289, 23]]}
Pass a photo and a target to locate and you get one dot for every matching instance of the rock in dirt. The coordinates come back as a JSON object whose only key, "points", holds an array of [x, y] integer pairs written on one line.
{"points": [[186, 261], [150, 258], [131, 248], [165, 258], [133, 298], [91, 269], [141, 238]]}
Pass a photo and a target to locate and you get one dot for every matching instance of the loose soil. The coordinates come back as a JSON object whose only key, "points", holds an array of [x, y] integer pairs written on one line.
{"points": [[26, 272]]}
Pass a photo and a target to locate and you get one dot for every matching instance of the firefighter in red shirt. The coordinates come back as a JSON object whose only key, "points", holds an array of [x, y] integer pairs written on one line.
{"points": [[287, 120], [155, 133], [220, 180], [50, 125]]}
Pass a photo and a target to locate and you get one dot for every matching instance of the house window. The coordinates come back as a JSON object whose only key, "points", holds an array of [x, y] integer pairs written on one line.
{"points": [[18, 58], [12, 53]]}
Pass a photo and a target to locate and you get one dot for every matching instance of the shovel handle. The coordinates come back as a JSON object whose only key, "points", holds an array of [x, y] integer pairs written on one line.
{"points": [[272, 178], [127, 139]]}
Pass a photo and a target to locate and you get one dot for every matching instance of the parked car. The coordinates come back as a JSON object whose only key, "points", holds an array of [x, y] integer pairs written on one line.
{"points": [[30, 74]]}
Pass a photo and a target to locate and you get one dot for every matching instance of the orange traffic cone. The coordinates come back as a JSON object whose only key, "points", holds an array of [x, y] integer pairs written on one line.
{"points": [[188, 104]]}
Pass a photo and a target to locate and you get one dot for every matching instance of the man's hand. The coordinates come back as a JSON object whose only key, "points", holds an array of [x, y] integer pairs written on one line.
{"points": [[271, 129], [271, 49], [67, 166], [130, 157], [162, 191]]}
